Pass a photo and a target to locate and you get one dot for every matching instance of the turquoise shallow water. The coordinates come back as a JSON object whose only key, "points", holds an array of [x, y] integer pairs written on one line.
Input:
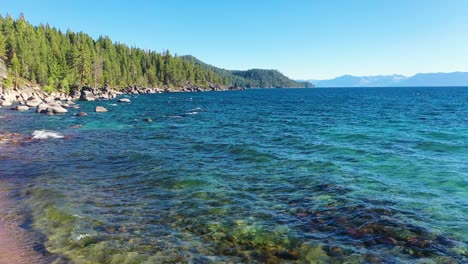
{"points": [[277, 176]]}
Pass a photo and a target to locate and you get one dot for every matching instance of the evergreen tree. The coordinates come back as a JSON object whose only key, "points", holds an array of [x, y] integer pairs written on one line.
{"points": [[2, 39]]}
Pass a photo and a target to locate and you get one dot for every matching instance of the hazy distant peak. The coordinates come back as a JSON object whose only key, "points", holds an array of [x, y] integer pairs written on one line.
{"points": [[420, 79]]}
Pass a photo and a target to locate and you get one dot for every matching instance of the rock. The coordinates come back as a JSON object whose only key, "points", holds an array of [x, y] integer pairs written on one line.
{"points": [[104, 97], [100, 109], [10, 95], [12, 138], [33, 102], [20, 108], [124, 100], [42, 108], [49, 99], [148, 120], [86, 96], [81, 114], [335, 251], [3, 70], [56, 109], [5, 103], [289, 255]]}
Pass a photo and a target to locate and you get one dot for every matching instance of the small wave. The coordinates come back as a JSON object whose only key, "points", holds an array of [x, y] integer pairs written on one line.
{"points": [[192, 113], [44, 134], [78, 237]]}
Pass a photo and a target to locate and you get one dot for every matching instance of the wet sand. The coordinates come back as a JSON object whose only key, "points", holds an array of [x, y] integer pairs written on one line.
{"points": [[16, 244]]}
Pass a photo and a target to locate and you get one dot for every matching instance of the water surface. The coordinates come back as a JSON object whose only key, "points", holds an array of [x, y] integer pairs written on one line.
{"points": [[278, 176]]}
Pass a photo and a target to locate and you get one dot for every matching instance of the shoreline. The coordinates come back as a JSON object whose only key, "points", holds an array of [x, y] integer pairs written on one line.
{"points": [[17, 245]]}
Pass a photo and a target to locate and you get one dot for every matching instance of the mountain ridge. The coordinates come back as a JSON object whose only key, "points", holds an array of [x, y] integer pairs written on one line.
{"points": [[265, 78], [421, 79]]}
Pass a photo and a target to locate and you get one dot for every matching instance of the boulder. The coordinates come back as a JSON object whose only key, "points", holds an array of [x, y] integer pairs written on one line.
{"points": [[10, 95], [104, 97], [49, 99], [3, 70], [56, 109], [5, 103], [86, 96], [100, 109], [33, 102], [20, 108], [124, 100], [42, 108]]}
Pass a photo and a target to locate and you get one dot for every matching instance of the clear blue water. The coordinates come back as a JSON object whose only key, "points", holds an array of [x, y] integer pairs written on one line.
{"points": [[258, 176]]}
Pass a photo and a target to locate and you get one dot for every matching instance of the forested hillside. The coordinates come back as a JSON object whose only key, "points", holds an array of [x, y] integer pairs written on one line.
{"points": [[251, 78], [58, 60]]}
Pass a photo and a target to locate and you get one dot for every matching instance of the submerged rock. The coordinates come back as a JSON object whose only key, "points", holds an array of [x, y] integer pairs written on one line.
{"points": [[12, 138], [100, 109], [76, 126], [81, 114]]}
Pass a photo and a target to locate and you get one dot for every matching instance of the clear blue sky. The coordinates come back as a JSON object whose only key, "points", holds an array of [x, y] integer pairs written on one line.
{"points": [[304, 39]]}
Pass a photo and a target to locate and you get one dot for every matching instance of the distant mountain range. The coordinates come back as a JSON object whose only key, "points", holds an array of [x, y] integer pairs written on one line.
{"points": [[420, 79]]}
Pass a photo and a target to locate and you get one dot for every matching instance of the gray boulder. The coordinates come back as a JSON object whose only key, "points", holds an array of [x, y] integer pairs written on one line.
{"points": [[42, 108], [56, 109], [33, 102], [6, 103], [86, 96], [49, 99], [100, 109], [20, 108]]}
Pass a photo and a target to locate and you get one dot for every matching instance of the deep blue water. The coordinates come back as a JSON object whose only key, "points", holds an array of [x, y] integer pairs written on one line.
{"points": [[276, 175]]}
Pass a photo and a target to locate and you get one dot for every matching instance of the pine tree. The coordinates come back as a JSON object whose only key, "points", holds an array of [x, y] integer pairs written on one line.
{"points": [[15, 65], [97, 68], [2, 39]]}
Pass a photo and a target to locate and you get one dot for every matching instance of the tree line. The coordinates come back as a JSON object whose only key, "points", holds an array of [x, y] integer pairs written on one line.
{"points": [[258, 78], [58, 60]]}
